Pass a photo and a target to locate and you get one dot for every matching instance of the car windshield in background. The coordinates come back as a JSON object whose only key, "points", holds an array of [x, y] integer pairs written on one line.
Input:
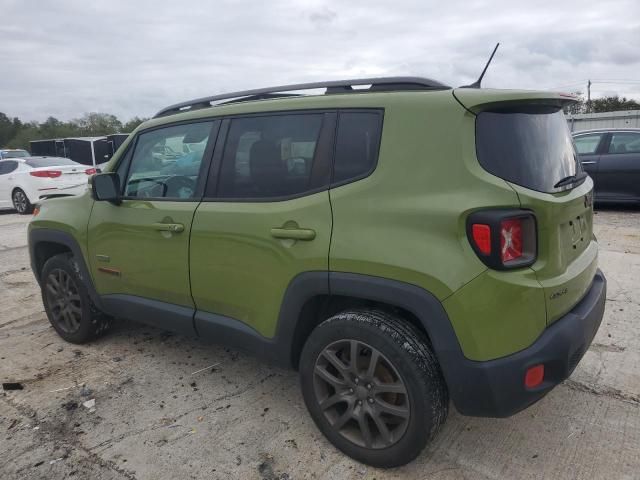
{"points": [[15, 154], [51, 162], [529, 146]]}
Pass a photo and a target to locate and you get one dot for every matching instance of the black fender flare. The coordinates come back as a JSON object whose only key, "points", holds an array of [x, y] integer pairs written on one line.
{"points": [[416, 300], [47, 235]]}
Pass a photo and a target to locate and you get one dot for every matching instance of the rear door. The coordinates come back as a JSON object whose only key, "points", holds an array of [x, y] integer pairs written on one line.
{"points": [[139, 249], [6, 167], [266, 217], [619, 167]]}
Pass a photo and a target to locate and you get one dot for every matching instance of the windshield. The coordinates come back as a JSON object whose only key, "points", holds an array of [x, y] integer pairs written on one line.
{"points": [[528, 146], [15, 154], [51, 162]]}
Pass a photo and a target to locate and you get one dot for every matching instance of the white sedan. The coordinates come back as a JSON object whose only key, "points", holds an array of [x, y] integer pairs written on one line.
{"points": [[24, 181]]}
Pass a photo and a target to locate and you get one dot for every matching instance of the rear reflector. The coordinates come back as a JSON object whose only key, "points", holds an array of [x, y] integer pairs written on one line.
{"points": [[534, 376], [90, 171], [482, 237], [511, 239], [46, 173]]}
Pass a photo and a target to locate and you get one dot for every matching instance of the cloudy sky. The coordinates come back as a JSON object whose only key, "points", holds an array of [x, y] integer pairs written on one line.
{"points": [[132, 57]]}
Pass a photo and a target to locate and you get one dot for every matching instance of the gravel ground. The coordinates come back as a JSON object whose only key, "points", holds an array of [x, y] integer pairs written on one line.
{"points": [[155, 418]]}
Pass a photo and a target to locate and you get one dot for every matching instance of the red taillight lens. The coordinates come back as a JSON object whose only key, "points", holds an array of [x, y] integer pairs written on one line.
{"points": [[503, 238], [46, 173], [482, 237], [534, 376], [510, 239], [90, 171]]}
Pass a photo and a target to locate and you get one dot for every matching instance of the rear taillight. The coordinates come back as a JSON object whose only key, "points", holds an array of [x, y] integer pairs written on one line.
{"points": [[503, 239], [46, 173], [90, 171]]}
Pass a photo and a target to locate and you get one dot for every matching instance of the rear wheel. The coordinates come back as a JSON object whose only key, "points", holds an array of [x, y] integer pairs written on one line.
{"points": [[20, 202], [67, 303], [373, 386]]}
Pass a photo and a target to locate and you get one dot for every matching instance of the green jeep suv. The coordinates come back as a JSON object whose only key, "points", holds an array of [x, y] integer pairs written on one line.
{"points": [[400, 244]]}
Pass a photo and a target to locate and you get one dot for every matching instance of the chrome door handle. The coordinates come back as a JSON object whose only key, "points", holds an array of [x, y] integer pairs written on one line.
{"points": [[588, 163], [168, 227], [293, 233]]}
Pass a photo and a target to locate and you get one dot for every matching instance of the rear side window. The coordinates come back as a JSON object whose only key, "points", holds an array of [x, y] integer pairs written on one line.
{"points": [[625, 142], [357, 145], [588, 144], [271, 156], [531, 147], [7, 167]]}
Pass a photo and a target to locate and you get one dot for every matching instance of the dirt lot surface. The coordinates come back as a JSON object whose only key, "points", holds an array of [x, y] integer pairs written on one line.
{"points": [[155, 418]]}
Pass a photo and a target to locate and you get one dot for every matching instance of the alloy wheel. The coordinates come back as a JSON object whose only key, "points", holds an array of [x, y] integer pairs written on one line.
{"points": [[361, 394], [63, 300], [20, 201]]}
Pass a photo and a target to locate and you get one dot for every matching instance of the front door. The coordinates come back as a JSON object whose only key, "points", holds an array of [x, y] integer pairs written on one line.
{"points": [[268, 220], [587, 146], [139, 249]]}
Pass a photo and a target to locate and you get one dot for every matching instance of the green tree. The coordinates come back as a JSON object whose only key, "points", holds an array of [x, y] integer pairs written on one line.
{"points": [[132, 124], [613, 104]]}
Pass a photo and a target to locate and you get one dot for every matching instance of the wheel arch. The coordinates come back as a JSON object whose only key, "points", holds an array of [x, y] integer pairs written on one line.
{"points": [[44, 243], [314, 296]]}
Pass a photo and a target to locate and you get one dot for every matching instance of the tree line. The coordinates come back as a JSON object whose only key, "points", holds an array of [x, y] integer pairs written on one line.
{"points": [[600, 105], [14, 133]]}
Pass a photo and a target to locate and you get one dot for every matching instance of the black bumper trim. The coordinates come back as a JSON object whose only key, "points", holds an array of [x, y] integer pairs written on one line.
{"points": [[495, 388]]}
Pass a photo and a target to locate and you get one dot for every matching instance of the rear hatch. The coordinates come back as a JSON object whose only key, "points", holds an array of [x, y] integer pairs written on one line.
{"points": [[523, 138]]}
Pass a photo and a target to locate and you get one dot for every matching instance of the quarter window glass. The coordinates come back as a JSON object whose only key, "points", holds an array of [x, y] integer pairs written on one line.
{"points": [[166, 162], [269, 156], [356, 145], [625, 142], [7, 167], [586, 144]]}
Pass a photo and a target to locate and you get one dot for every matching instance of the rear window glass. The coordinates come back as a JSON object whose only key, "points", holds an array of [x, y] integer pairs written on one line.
{"points": [[50, 162], [531, 147]]}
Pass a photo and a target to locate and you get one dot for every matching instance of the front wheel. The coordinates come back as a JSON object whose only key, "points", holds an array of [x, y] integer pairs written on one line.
{"points": [[21, 202], [373, 386], [67, 303]]}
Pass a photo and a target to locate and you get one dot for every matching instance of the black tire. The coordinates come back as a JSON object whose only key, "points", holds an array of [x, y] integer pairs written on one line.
{"points": [[67, 303], [402, 352], [21, 202]]}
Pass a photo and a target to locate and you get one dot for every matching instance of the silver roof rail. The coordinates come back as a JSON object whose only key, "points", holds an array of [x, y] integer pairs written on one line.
{"points": [[333, 86]]}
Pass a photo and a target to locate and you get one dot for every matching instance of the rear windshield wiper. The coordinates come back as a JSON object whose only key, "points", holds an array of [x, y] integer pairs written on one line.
{"points": [[571, 179]]}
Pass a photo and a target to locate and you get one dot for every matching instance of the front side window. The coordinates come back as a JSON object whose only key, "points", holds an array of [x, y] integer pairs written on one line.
{"points": [[270, 156], [625, 142], [166, 162], [587, 144]]}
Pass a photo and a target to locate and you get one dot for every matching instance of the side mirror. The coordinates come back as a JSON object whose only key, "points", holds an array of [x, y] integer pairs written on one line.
{"points": [[106, 187]]}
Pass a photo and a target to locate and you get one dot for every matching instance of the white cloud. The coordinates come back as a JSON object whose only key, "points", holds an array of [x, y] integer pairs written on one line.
{"points": [[130, 58]]}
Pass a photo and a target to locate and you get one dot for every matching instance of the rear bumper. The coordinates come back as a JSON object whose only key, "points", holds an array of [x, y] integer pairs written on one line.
{"points": [[496, 388]]}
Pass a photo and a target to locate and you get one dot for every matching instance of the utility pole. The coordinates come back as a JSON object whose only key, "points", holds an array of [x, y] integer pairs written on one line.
{"points": [[589, 96]]}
